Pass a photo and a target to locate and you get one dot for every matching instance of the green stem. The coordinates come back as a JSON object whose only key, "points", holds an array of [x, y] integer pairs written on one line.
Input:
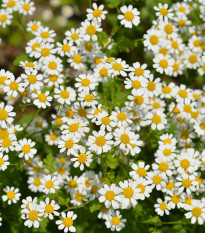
{"points": [[113, 92], [76, 207], [36, 113]]}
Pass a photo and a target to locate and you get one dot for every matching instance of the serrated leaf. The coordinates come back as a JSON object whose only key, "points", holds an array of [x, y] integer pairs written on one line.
{"points": [[112, 162], [49, 163]]}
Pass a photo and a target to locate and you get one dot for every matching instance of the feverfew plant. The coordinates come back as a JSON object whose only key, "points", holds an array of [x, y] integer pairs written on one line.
{"points": [[84, 130]]}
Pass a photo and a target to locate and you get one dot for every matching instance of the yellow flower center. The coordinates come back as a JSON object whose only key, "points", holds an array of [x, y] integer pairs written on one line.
{"points": [[141, 171], [32, 79], [97, 13], [53, 78], [182, 93], [163, 63], [139, 71], [175, 45], [138, 100], [170, 185], [74, 36], [91, 30], [82, 112], [136, 84], [33, 215], [115, 220], [30, 65], [37, 181], [202, 126], [2, 80], [196, 212], [167, 152], [103, 72], [45, 35], [68, 222], [34, 27], [156, 119], [6, 143], [72, 184], [157, 179], [3, 18], [193, 58], [163, 206], [141, 187], [69, 144], [14, 86], [166, 90], [85, 82], [82, 158], [182, 23], [11, 3], [26, 149], [154, 40], [168, 28], [163, 167], [117, 67], [66, 48], [64, 94], [124, 138], [129, 16], [121, 116], [3, 114], [100, 141], [42, 97], [1, 162], [105, 120], [110, 195], [49, 209], [128, 192], [52, 65], [49, 184], [182, 9], [26, 7], [53, 137], [188, 200], [151, 86], [10, 195], [94, 189], [45, 52], [79, 197], [186, 183], [77, 58], [89, 98], [163, 11], [176, 199]]}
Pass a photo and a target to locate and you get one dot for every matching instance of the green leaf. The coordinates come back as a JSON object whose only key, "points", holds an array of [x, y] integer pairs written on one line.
{"points": [[114, 3], [25, 119], [112, 162], [63, 201], [49, 163], [109, 178], [22, 57], [94, 206]]}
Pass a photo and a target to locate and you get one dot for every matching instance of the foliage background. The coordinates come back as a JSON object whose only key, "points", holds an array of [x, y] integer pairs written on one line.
{"points": [[128, 46]]}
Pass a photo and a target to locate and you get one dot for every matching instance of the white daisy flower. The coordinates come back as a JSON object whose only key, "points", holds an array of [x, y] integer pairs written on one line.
{"points": [[67, 221], [12, 195], [49, 208], [25, 148], [4, 162], [100, 142], [130, 16]]}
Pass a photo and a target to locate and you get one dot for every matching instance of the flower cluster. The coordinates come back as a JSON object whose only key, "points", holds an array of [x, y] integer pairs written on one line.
{"points": [[74, 126]]}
